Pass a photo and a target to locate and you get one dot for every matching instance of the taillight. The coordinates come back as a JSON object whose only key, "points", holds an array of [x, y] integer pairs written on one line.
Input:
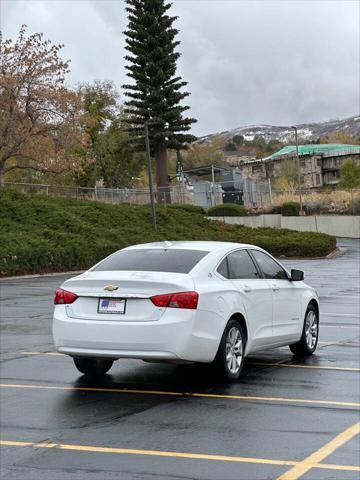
{"points": [[161, 300], [177, 300], [63, 297]]}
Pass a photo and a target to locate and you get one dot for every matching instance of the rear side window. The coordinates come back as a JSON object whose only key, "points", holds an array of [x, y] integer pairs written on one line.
{"points": [[270, 268], [241, 265], [223, 268], [152, 260]]}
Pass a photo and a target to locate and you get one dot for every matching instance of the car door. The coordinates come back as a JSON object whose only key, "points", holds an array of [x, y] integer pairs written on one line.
{"points": [[286, 305], [255, 293]]}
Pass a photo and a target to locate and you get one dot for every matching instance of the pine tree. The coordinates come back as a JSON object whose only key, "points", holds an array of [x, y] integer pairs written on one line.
{"points": [[155, 94]]}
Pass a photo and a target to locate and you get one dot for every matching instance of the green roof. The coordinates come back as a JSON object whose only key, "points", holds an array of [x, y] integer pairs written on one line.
{"points": [[316, 149]]}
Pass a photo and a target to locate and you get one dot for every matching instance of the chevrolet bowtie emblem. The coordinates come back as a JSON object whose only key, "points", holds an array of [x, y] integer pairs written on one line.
{"points": [[110, 288]]}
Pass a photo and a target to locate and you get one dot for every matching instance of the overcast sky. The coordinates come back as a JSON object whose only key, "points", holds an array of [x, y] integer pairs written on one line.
{"points": [[247, 62]]}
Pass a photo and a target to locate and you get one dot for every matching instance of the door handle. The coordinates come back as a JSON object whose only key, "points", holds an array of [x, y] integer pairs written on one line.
{"points": [[274, 287], [247, 289]]}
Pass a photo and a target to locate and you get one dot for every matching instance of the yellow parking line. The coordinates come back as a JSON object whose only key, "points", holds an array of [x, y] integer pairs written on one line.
{"points": [[183, 394], [328, 466], [295, 365], [91, 389], [160, 453], [278, 399], [265, 364], [157, 453], [315, 458]]}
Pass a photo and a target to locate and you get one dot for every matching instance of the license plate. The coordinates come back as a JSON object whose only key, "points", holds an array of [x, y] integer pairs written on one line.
{"points": [[111, 305]]}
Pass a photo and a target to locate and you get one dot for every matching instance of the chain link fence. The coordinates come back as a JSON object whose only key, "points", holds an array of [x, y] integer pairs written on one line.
{"points": [[206, 194]]}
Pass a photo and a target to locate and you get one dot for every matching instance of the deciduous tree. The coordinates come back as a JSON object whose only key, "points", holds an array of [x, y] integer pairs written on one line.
{"points": [[41, 123], [238, 139], [205, 153], [287, 177], [116, 164], [350, 174], [340, 137], [350, 177]]}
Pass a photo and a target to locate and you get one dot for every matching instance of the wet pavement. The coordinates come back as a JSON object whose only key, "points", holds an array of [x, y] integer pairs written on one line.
{"points": [[153, 421]]}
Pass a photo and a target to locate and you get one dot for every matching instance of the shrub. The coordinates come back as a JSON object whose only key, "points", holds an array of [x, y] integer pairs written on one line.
{"points": [[322, 203], [45, 234], [188, 208], [315, 206], [227, 210], [290, 209], [274, 210]]}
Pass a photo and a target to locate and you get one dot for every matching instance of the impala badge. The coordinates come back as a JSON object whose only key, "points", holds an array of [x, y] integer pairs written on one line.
{"points": [[111, 288]]}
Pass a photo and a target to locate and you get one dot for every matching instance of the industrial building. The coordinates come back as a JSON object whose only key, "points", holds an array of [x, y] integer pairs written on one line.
{"points": [[212, 185], [319, 164]]}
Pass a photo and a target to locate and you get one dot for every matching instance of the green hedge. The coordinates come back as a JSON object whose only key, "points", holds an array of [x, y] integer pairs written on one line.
{"points": [[276, 210], [227, 210], [46, 234], [188, 208], [290, 209]]}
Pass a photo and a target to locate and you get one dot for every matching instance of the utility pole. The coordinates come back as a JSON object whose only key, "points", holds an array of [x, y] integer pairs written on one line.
{"points": [[151, 189], [298, 169], [212, 186], [180, 174]]}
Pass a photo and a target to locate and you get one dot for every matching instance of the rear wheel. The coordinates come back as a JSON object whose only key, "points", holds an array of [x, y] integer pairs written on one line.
{"points": [[230, 356], [309, 338], [93, 367]]}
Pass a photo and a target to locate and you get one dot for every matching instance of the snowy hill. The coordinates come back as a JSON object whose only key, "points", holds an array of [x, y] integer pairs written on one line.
{"points": [[306, 131]]}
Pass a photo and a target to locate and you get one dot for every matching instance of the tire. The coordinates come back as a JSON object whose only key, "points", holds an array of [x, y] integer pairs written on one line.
{"points": [[310, 334], [93, 367], [229, 359]]}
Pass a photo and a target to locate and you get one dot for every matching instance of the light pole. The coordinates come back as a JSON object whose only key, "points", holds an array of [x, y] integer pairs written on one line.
{"points": [[148, 157], [298, 169]]}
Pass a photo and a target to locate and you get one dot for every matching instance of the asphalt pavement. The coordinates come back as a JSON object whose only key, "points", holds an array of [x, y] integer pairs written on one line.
{"points": [[286, 419]]}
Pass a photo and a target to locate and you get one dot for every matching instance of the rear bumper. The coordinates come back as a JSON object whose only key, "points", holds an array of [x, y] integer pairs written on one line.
{"points": [[190, 335]]}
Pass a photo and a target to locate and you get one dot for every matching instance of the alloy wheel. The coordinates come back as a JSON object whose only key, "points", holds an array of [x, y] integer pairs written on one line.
{"points": [[234, 350], [311, 329]]}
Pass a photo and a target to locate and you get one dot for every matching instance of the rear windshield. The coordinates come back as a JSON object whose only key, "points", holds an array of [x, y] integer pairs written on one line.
{"points": [[152, 260]]}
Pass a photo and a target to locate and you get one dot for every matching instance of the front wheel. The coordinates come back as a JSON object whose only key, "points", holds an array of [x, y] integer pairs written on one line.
{"points": [[230, 356], [93, 367], [310, 335]]}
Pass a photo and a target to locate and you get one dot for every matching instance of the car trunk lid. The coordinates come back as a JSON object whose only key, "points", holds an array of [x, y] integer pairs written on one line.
{"points": [[135, 288]]}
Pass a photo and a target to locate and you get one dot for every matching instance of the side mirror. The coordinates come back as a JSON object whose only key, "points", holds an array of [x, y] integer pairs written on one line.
{"points": [[297, 275]]}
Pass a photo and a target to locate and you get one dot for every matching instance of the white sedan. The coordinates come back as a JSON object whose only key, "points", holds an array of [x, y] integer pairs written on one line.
{"points": [[184, 302]]}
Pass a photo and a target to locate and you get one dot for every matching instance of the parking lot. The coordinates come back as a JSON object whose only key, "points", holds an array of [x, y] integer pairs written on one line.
{"points": [[287, 419]]}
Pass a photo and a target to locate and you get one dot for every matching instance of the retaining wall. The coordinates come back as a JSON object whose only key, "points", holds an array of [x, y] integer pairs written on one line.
{"points": [[346, 226]]}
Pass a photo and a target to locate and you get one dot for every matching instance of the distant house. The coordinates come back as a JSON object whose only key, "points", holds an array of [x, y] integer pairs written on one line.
{"points": [[319, 164]]}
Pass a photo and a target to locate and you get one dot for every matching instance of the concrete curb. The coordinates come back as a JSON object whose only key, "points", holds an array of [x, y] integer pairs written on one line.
{"points": [[38, 275], [335, 253]]}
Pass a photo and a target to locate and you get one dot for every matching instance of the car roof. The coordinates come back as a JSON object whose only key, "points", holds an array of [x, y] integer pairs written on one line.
{"points": [[191, 245]]}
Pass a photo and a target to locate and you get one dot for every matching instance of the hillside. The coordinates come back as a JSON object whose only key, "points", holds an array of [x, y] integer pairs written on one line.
{"points": [[306, 131], [47, 234]]}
